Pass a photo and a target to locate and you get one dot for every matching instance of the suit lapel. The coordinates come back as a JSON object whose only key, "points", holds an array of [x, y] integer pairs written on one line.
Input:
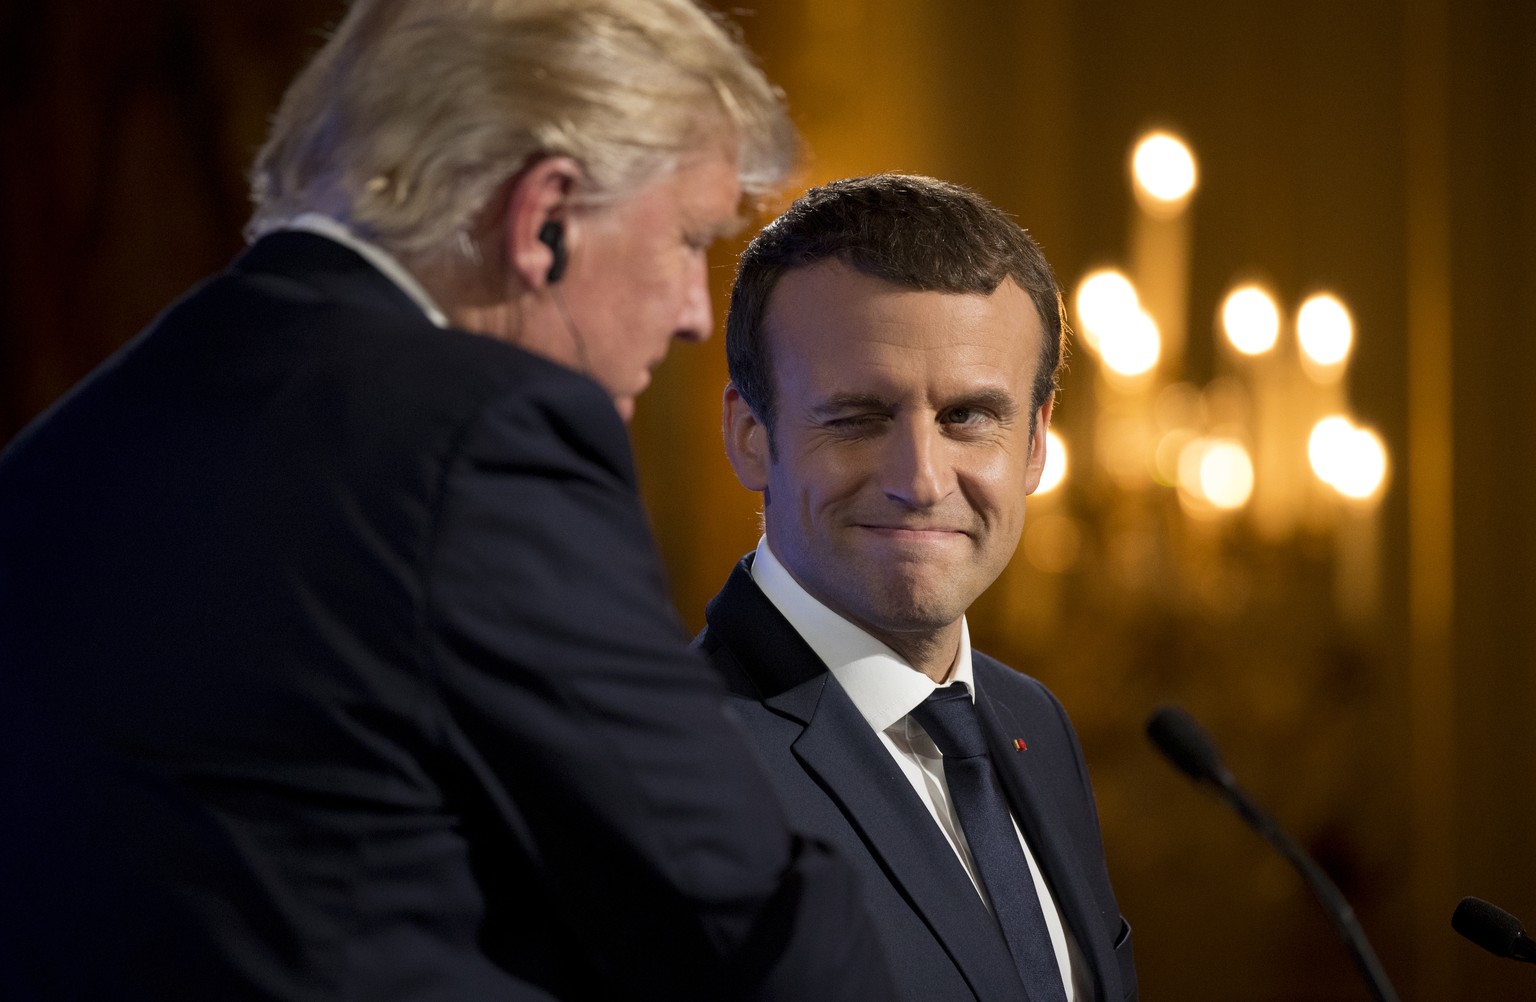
{"points": [[1049, 840], [845, 757], [838, 750]]}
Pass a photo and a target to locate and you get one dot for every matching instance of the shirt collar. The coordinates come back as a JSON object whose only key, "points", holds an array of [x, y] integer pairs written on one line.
{"points": [[322, 225], [883, 686]]}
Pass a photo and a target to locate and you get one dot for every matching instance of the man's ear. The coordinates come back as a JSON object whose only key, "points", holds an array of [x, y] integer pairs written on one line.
{"points": [[537, 196], [746, 440], [1036, 462]]}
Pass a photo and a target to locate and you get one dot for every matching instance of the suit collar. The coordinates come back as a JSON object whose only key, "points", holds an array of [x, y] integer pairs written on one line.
{"points": [[385, 262], [328, 268], [882, 684], [774, 658]]}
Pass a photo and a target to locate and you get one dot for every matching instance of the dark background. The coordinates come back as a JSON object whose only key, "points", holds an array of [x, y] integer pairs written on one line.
{"points": [[1384, 149]]}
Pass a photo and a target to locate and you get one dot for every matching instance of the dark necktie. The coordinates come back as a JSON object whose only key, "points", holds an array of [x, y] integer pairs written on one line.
{"points": [[949, 717]]}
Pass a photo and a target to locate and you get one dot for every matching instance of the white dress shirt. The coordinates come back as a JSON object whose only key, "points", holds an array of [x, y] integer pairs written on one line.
{"points": [[323, 225], [885, 689]]}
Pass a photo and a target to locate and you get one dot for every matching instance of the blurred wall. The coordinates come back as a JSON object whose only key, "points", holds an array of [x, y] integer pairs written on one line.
{"points": [[1384, 149]]}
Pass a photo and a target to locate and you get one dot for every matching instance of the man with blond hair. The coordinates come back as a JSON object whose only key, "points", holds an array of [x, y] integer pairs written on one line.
{"points": [[335, 661]]}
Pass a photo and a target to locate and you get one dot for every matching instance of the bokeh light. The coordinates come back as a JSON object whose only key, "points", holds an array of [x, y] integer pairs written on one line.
{"points": [[1324, 330], [1350, 459], [1055, 464], [1132, 347], [1226, 474], [1164, 168], [1106, 300], [1215, 473], [1251, 320]]}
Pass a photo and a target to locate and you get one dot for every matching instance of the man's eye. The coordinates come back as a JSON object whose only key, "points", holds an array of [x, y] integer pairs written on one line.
{"points": [[966, 415], [853, 422]]}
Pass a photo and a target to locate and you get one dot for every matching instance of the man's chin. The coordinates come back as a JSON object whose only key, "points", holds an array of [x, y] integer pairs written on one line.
{"points": [[912, 614]]}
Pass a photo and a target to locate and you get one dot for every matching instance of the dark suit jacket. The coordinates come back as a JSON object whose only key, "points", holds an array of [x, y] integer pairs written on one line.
{"points": [[840, 784], [335, 663]]}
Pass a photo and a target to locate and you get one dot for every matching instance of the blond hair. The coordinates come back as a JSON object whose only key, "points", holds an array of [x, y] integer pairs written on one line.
{"points": [[414, 112]]}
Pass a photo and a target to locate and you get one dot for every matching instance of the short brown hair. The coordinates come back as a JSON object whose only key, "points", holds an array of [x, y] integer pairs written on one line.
{"points": [[913, 231]]}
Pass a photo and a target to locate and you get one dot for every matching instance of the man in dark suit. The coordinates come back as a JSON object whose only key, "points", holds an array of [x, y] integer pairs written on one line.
{"points": [[894, 344], [335, 661]]}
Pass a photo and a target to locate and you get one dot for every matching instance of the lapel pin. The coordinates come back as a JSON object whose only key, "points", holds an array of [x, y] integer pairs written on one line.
{"points": [[1019, 745]]}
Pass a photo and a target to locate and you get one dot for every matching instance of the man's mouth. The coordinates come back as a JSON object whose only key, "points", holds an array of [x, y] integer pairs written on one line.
{"points": [[914, 533]]}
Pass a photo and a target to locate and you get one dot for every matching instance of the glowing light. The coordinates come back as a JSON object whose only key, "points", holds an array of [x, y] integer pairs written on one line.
{"points": [[1325, 330], [1132, 347], [1328, 448], [1164, 168], [1251, 320], [1106, 300], [1215, 473], [1350, 459], [1226, 474], [1055, 464], [1369, 471]]}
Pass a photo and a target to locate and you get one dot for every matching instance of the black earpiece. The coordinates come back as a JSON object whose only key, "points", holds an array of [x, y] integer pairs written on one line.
{"points": [[552, 235]]}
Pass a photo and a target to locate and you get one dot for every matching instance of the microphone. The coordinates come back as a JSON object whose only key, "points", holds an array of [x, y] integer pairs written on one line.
{"points": [[1493, 929], [1187, 745]]}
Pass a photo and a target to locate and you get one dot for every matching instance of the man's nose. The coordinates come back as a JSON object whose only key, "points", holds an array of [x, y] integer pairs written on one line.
{"points": [[696, 322], [917, 471]]}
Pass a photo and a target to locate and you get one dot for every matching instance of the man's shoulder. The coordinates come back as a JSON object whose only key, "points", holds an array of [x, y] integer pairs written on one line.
{"points": [[274, 370], [1020, 692], [994, 676], [296, 292], [298, 304], [738, 678]]}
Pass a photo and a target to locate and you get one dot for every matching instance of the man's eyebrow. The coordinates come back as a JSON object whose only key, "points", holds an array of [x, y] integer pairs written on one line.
{"points": [[840, 403], [1000, 401]]}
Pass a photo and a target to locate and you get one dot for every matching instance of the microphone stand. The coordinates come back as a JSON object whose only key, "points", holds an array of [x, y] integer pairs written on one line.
{"points": [[1186, 744], [1328, 893]]}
